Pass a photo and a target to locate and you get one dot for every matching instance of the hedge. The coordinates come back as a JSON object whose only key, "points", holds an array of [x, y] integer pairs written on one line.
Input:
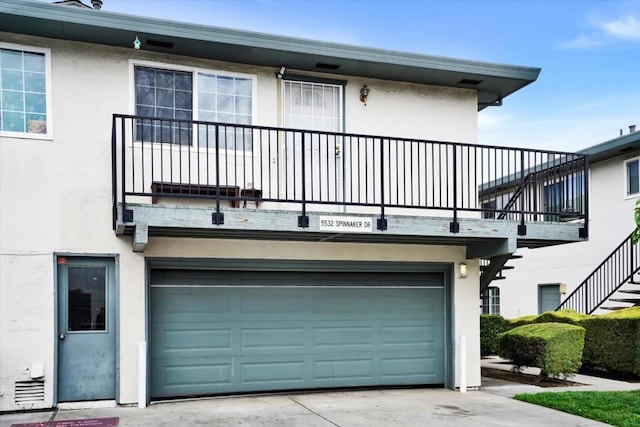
{"points": [[562, 316], [555, 348], [491, 325], [612, 341], [520, 321]]}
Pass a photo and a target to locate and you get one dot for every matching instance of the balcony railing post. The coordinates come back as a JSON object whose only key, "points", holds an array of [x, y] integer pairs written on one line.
{"points": [[382, 221], [217, 218], [127, 215], [584, 231], [303, 220], [522, 228], [454, 226], [114, 183]]}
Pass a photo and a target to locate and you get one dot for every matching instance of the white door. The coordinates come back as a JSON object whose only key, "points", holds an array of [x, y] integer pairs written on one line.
{"points": [[313, 173]]}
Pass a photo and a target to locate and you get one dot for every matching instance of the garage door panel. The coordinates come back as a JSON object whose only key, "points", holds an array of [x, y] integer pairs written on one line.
{"points": [[280, 338], [272, 338], [343, 337], [408, 367], [195, 339], [273, 372]]}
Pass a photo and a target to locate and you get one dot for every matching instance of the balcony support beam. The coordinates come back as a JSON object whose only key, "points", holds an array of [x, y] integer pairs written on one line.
{"points": [[482, 237], [140, 237]]}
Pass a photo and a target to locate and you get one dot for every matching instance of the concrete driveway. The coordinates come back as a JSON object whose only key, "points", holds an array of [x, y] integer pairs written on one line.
{"points": [[401, 407]]}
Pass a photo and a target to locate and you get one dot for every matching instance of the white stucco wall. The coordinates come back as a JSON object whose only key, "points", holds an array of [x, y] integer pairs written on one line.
{"points": [[610, 222], [55, 197]]}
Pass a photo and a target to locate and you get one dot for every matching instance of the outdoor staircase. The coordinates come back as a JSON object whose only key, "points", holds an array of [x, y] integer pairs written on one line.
{"points": [[492, 269], [614, 282]]}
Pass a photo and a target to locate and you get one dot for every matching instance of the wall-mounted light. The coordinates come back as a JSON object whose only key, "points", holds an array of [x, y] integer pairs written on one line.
{"points": [[364, 93], [280, 74], [137, 43], [462, 269]]}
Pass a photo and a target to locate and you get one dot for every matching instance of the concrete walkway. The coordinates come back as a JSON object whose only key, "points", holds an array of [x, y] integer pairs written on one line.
{"points": [[411, 407], [507, 389]]}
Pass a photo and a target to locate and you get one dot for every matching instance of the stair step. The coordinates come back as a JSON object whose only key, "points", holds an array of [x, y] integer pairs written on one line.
{"points": [[516, 256], [614, 308], [499, 278], [506, 267], [635, 301], [631, 291]]}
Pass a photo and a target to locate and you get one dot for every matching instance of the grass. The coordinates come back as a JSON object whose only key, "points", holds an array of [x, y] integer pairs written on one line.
{"points": [[618, 408]]}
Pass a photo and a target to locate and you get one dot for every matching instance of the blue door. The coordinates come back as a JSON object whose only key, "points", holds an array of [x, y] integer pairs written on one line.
{"points": [[86, 329], [548, 297]]}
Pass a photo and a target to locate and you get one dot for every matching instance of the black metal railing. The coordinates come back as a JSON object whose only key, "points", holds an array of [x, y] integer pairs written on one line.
{"points": [[312, 170], [616, 270]]}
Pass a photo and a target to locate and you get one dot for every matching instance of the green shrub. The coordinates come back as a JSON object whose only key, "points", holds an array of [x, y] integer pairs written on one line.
{"points": [[612, 341], [491, 325], [521, 321], [562, 316], [555, 348]]}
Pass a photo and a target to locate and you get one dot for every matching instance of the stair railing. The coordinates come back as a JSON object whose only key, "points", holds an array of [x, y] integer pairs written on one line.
{"points": [[617, 269]]}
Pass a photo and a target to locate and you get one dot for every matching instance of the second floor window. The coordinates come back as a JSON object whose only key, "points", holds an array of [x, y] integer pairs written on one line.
{"points": [[632, 177], [170, 99], [24, 99]]}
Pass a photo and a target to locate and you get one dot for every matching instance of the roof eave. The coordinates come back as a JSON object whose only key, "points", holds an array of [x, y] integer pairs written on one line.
{"points": [[37, 18]]}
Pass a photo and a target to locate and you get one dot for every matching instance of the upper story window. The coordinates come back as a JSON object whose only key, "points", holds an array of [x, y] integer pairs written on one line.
{"points": [[632, 177], [169, 96], [25, 100]]}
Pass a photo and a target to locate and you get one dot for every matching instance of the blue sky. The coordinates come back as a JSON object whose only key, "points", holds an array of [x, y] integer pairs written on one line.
{"points": [[589, 51]]}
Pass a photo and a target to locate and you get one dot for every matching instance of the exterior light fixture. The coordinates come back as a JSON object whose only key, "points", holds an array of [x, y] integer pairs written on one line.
{"points": [[280, 74], [137, 43], [364, 93], [462, 268]]}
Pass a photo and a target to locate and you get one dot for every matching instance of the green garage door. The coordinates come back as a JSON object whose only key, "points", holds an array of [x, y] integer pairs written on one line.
{"points": [[217, 332]]}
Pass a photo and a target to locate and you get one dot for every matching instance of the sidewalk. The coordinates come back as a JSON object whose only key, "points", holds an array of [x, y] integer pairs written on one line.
{"points": [[508, 389]]}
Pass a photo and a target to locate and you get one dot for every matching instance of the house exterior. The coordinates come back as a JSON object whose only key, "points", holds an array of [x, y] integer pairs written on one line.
{"points": [[544, 278], [194, 211]]}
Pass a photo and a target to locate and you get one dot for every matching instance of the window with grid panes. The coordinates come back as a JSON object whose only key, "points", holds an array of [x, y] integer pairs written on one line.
{"points": [[170, 99], [23, 91]]}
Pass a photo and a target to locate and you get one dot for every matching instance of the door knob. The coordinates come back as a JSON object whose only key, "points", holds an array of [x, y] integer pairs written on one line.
{"points": [[62, 336]]}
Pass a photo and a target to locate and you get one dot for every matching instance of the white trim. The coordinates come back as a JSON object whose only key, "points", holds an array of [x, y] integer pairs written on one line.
{"points": [[626, 178], [48, 92]]}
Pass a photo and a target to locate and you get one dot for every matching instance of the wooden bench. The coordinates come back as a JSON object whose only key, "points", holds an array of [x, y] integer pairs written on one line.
{"points": [[252, 195], [170, 189]]}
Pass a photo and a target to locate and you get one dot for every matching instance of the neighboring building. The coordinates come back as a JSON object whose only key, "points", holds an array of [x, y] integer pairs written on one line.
{"points": [[221, 211], [543, 278]]}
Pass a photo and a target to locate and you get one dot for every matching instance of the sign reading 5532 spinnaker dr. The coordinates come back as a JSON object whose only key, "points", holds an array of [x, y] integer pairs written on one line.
{"points": [[346, 224]]}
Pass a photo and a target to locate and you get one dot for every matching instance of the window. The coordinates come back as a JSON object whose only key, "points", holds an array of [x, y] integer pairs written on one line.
{"points": [[166, 96], [490, 301], [25, 104], [632, 177], [565, 198]]}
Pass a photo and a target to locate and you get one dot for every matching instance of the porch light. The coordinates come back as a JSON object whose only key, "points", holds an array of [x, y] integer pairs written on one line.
{"points": [[364, 93], [137, 43], [462, 267]]}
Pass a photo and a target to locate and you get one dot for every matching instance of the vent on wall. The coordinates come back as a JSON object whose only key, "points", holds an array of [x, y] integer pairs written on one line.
{"points": [[29, 391]]}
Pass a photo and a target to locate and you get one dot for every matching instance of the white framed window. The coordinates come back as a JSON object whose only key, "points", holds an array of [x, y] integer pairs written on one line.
{"points": [[173, 93], [490, 301], [632, 177], [25, 91]]}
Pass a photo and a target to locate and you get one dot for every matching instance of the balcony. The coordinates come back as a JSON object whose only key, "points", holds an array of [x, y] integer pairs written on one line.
{"points": [[188, 178]]}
